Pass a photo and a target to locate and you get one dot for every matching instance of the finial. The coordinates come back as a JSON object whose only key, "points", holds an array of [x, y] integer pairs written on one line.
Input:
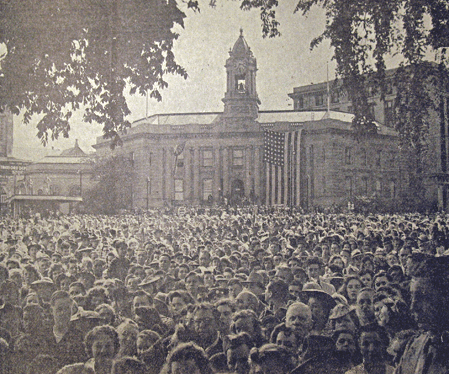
{"points": [[241, 31], [76, 143]]}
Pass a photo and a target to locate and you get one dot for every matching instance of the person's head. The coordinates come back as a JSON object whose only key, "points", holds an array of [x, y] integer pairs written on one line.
{"points": [[121, 247], [284, 273], [366, 276], [246, 321], [128, 365], [404, 253], [96, 296], [345, 341], [107, 313], [145, 340], [164, 262], [351, 288], [178, 301], [102, 343], [381, 279], [373, 342], [225, 308], [314, 267], [61, 308], [204, 258], [294, 289], [247, 300], [193, 282], [320, 304], [236, 348], [141, 299], [277, 291], [364, 306], [205, 321], [271, 358], [343, 317], [208, 279], [187, 358], [127, 333], [299, 318], [235, 287], [285, 337]]}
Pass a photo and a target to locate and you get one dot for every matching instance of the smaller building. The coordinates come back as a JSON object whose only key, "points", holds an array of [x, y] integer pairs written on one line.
{"points": [[54, 182]]}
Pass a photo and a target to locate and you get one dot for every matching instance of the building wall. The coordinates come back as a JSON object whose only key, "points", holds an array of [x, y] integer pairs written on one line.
{"points": [[6, 134], [57, 179], [341, 167], [210, 164]]}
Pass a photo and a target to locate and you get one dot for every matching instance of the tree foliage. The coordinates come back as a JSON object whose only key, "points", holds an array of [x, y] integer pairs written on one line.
{"points": [[63, 55], [114, 190], [363, 34]]}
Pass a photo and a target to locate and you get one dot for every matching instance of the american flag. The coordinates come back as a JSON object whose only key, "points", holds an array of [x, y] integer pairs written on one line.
{"points": [[274, 143]]}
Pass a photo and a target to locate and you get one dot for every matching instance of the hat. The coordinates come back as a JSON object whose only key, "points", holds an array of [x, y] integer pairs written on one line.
{"points": [[254, 278], [44, 282], [340, 310], [356, 253], [311, 289]]}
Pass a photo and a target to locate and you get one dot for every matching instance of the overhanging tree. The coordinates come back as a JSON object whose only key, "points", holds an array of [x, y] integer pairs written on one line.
{"points": [[63, 55], [363, 34]]}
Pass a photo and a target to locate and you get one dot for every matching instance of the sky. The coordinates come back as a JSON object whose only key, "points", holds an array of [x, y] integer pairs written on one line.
{"points": [[202, 49]]}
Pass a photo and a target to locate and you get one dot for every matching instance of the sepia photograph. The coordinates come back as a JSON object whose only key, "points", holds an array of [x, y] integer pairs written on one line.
{"points": [[224, 187]]}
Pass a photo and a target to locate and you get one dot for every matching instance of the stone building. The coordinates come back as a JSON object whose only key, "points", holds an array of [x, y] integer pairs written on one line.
{"points": [[54, 182], [299, 158], [436, 163]]}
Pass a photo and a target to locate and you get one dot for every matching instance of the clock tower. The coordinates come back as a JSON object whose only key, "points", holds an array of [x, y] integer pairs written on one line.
{"points": [[241, 100]]}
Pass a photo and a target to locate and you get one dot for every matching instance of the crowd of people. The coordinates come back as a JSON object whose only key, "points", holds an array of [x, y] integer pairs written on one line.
{"points": [[260, 290]]}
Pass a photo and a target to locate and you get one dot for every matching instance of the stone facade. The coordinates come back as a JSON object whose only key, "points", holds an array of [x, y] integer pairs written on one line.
{"points": [[67, 174], [436, 160], [199, 158]]}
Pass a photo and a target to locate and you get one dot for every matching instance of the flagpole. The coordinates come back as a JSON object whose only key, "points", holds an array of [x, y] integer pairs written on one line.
{"points": [[327, 86]]}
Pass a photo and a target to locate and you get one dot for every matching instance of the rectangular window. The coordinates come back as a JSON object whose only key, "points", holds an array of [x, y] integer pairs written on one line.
{"points": [[348, 159], [363, 156], [208, 157], [364, 185], [207, 189], [179, 189], [237, 157], [324, 186], [392, 189], [389, 112], [350, 109], [378, 187], [379, 159], [131, 158], [349, 188], [335, 97], [300, 102], [319, 99]]}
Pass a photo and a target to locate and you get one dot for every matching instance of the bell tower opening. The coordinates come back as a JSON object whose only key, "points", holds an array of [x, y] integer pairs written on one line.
{"points": [[241, 100]]}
